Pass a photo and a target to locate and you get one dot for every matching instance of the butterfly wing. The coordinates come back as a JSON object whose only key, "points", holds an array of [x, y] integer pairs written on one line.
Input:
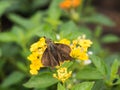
{"points": [[56, 53], [45, 58], [64, 52], [48, 59], [63, 47]]}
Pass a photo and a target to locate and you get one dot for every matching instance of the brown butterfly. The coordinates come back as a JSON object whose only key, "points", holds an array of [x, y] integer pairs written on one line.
{"points": [[55, 53]]}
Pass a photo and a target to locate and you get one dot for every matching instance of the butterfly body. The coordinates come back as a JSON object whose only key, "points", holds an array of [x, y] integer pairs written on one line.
{"points": [[55, 53]]}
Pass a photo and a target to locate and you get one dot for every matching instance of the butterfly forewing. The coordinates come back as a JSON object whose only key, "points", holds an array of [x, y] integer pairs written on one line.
{"points": [[63, 47], [64, 52]]}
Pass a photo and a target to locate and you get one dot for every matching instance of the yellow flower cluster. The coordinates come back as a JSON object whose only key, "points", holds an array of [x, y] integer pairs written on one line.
{"points": [[79, 48], [37, 50], [62, 74]]}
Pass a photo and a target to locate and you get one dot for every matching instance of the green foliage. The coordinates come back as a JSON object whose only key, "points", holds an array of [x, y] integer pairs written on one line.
{"points": [[60, 87], [99, 19], [110, 38], [45, 28], [4, 5], [114, 70], [98, 31], [83, 86], [54, 7], [67, 64], [100, 65], [7, 37], [13, 79], [20, 21], [41, 81], [114, 77], [71, 29], [92, 74], [23, 22], [38, 3], [23, 6]]}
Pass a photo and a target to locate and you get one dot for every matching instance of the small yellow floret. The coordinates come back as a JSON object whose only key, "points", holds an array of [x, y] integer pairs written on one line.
{"points": [[85, 43], [65, 41], [62, 74], [34, 72]]}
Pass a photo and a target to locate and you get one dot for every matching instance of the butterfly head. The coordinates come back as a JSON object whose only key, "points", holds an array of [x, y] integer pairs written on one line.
{"points": [[48, 41]]}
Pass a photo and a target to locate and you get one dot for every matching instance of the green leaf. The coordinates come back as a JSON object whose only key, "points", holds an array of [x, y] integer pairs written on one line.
{"points": [[99, 19], [117, 82], [2, 63], [36, 18], [4, 5], [96, 48], [71, 29], [25, 23], [54, 11], [109, 60], [89, 73], [16, 34], [86, 31], [98, 31], [66, 64], [114, 70], [60, 87], [38, 3], [99, 85], [100, 65], [12, 79], [47, 30], [83, 86], [22, 66], [19, 34], [54, 23], [34, 32], [110, 38], [0, 53], [42, 80], [10, 50], [7, 37]]}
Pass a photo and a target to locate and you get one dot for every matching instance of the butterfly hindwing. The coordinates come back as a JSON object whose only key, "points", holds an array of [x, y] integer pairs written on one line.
{"points": [[63, 47], [64, 52]]}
